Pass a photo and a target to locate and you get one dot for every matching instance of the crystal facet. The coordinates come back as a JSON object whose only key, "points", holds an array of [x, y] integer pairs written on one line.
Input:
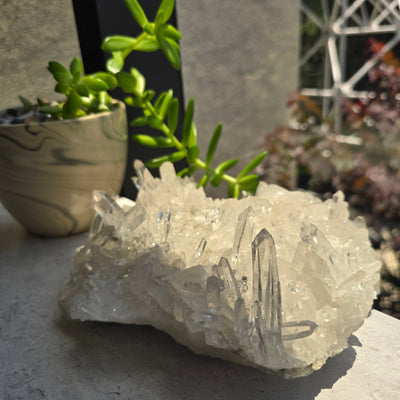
{"points": [[276, 281]]}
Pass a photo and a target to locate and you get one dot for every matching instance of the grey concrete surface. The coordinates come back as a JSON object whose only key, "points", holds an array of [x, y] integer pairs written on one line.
{"points": [[45, 356], [32, 33], [240, 61]]}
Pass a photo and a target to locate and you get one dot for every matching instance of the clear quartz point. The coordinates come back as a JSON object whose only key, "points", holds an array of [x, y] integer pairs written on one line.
{"points": [[267, 304], [191, 266]]}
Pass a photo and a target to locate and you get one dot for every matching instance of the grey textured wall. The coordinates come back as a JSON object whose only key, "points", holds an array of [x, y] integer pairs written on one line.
{"points": [[239, 64], [31, 34]]}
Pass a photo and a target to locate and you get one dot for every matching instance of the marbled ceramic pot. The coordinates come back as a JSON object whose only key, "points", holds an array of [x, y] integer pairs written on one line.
{"points": [[49, 170]]}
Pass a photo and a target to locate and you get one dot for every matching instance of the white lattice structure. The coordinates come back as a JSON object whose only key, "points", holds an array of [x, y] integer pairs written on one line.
{"points": [[341, 19]]}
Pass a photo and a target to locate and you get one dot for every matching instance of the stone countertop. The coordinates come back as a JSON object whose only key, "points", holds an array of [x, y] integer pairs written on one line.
{"points": [[45, 356]]}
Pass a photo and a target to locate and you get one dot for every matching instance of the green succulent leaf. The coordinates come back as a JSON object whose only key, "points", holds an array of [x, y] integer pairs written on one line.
{"points": [[226, 165], [231, 189], [153, 141], [155, 122], [132, 101], [187, 122], [183, 172], [166, 9], [249, 183], [56, 109], [115, 43], [60, 73], [169, 31], [149, 28], [106, 77], [173, 113], [148, 95], [158, 161], [26, 103], [127, 82], [139, 122], [115, 63], [76, 68], [162, 106], [64, 88], [82, 89], [169, 48], [192, 154], [193, 135], [216, 179], [137, 11], [187, 171], [212, 146], [147, 45], [72, 105], [252, 164], [203, 181], [94, 84], [140, 81]]}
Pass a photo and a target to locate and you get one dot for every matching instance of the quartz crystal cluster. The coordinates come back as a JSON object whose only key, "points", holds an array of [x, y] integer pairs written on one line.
{"points": [[277, 281]]}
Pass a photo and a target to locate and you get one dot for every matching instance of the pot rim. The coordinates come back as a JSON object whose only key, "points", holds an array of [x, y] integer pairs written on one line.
{"points": [[117, 104]]}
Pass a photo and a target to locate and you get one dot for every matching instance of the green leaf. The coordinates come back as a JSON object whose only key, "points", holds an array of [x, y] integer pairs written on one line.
{"points": [[159, 20], [231, 189], [153, 141], [158, 161], [82, 89], [226, 165], [116, 63], [72, 105], [60, 73], [187, 122], [148, 95], [192, 154], [169, 31], [203, 181], [140, 81], [149, 28], [155, 122], [183, 172], [26, 103], [173, 114], [216, 179], [51, 109], [170, 50], [213, 144], [140, 121], [251, 165], [76, 78], [187, 171], [76, 68], [193, 135], [106, 77], [137, 11], [163, 105], [94, 84], [249, 183], [147, 45], [127, 82], [132, 102], [115, 43], [236, 191], [62, 88], [166, 9]]}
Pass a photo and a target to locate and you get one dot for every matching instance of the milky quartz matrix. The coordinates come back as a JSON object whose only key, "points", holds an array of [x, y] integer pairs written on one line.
{"points": [[276, 281]]}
